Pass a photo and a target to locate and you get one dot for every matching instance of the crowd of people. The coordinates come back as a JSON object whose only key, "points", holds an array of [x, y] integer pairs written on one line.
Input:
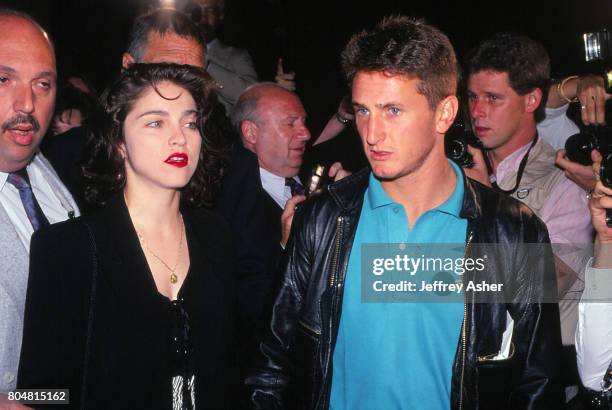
{"points": [[160, 250]]}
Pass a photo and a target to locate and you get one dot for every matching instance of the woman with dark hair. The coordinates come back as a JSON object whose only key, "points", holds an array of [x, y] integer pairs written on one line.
{"points": [[133, 307]]}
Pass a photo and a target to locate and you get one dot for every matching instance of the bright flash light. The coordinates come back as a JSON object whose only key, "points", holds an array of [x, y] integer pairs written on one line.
{"points": [[597, 45], [167, 4]]}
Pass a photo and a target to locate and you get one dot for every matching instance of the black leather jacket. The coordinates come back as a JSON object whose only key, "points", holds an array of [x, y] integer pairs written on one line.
{"points": [[294, 366]]}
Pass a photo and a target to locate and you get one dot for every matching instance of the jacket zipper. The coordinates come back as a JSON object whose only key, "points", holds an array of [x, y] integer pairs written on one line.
{"points": [[464, 328], [337, 244], [332, 283]]}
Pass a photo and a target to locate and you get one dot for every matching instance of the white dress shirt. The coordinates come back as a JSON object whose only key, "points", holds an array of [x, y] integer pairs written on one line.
{"points": [[594, 332], [15, 230], [556, 127], [48, 201], [275, 187], [566, 216]]}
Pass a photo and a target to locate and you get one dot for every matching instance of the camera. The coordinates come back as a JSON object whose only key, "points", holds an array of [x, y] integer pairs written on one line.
{"points": [[578, 147], [456, 141], [605, 175]]}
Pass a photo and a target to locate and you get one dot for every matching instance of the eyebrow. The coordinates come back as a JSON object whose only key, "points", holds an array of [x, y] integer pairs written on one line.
{"points": [[7, 68], [154, 112], [165, 113], [378, 105], [388, 104], [46, 74], [11, 70]]}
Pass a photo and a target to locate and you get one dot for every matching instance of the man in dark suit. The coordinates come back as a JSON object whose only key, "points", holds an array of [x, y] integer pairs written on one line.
{"points": [[272, 123], [261, 187], [31, 194], [261, 190]]}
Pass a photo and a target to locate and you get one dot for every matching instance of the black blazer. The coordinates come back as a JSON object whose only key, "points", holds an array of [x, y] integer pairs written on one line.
{"points": [[64, 152], [131, 346], [254, 219]]}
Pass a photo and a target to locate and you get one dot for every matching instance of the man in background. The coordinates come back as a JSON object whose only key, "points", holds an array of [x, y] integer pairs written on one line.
{"points": [[31, 194]]}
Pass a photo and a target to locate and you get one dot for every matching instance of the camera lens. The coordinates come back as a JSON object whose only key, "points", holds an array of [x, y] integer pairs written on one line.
{"points": [[578, 148]]}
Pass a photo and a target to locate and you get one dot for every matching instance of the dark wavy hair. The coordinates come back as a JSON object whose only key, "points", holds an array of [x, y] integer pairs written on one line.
{"points": [[104, 166]]}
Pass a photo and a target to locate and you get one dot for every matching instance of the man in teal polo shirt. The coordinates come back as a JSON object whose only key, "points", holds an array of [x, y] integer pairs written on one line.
{"points": [[330, 345], [390, 346]]}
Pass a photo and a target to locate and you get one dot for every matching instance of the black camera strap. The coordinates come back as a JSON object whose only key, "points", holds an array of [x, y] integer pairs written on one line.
{"points": [[519, 174]]}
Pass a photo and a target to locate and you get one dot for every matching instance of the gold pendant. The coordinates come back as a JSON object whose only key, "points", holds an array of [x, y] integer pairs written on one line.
{"points": [[173, 278]]}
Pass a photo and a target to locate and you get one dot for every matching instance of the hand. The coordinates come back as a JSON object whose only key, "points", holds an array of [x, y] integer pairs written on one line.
{"points": [[287, 217], [592, 95], [345, 109], [337, 172], [285, 80], [582, 175], [600, 200], [479, 171]]}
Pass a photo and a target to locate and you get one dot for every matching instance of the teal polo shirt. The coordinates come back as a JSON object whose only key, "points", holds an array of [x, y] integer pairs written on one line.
{"points": [[397, 355]]}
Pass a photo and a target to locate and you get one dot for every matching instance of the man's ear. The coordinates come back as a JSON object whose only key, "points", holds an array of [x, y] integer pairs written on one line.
{"points": [[249, 131], [446, 113], [533, 100], [126, 61]]}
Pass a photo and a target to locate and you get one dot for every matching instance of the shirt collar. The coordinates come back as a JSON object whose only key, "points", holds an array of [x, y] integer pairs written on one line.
{"points": [[511, 162], [270, 179], [3, 178], [454, 203], [377, 197], [4, 175]]}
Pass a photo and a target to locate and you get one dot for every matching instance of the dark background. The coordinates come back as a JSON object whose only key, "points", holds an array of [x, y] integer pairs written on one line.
{"points": [[90, 34]]}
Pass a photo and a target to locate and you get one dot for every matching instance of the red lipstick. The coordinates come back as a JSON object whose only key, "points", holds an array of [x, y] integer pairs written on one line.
{"points": [[177, 159]]}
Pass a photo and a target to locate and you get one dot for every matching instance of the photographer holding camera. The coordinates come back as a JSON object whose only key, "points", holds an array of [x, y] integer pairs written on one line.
{"points": [[507, 83], [590, 93], [594, 332]]}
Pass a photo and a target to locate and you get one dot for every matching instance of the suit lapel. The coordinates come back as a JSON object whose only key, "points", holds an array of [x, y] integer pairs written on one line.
{"points": [[122, 261], [203, 253], [205, 290], [14, 261], [56, 185], [220, 51], [273, 213]]}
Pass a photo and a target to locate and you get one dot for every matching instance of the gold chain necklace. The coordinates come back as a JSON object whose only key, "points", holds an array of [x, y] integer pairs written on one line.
{"points": [[173, 277]]}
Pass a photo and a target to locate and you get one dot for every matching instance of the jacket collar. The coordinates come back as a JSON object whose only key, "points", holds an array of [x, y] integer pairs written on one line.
{"points": [[348, 193], [123, 262]]}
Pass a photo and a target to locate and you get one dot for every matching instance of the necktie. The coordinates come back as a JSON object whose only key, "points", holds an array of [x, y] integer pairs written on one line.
{"points": [[296, 187], [20, 180]]}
